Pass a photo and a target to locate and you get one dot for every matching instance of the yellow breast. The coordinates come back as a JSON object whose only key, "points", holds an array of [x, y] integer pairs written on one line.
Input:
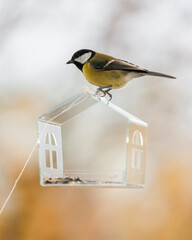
{"points": [[114, 78]]}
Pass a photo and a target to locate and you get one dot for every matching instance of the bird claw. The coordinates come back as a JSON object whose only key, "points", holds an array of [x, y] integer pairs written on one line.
{"points": [[104, 93], [101, 93]]}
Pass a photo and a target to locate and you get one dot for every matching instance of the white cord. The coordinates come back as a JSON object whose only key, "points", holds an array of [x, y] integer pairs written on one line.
{"points": [[73, 104], [14, 186]]}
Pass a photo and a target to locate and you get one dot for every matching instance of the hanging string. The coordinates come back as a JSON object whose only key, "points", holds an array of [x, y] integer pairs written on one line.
{"points": [[80, 99]]}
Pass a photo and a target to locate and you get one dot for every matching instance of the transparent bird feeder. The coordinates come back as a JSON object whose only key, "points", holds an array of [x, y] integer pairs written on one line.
{"points": [[88, 141]]}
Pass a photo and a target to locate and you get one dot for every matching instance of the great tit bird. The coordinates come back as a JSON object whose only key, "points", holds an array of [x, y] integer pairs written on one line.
{"points": [[108, 72]]}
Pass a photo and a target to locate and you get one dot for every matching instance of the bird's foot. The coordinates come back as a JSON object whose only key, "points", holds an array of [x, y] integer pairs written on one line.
{"points": [[105, 92]]}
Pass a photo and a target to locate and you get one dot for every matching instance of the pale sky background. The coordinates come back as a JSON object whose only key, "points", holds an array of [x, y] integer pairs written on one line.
{"points": [[38, 37]]}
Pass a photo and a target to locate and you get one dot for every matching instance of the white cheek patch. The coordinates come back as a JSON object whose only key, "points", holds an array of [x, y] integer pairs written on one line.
{"points": [[83, 58]]}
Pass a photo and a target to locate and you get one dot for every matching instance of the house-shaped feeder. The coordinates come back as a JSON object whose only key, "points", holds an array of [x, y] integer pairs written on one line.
{"points": [[88, 141]]}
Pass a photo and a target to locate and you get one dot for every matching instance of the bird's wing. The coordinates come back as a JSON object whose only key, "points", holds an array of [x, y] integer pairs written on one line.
{"points": [[116, 64]]}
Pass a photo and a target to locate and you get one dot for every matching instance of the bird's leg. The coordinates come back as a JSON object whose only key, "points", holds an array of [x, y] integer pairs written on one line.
{"points": [[109, 94], [104, 92], [100, 89]]}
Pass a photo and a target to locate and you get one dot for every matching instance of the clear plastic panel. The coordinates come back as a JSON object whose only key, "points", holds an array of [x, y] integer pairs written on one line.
{"points": [[91, 142]]}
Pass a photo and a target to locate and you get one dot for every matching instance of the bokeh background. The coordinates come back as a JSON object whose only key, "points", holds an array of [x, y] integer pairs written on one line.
{"points": [[36, 40]]}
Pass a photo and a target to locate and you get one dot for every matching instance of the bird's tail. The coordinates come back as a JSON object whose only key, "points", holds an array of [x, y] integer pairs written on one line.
{"points": [[159, 74]]}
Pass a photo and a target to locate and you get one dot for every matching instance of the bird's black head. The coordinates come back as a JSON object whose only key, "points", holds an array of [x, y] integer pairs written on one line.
{"points": [[80, 57]]}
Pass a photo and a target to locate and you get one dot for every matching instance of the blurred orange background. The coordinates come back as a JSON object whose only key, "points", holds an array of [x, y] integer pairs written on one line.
{"points": [[37, 38]]}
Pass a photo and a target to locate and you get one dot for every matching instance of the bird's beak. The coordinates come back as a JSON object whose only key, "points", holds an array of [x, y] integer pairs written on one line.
{"points": [[70, 61]]}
